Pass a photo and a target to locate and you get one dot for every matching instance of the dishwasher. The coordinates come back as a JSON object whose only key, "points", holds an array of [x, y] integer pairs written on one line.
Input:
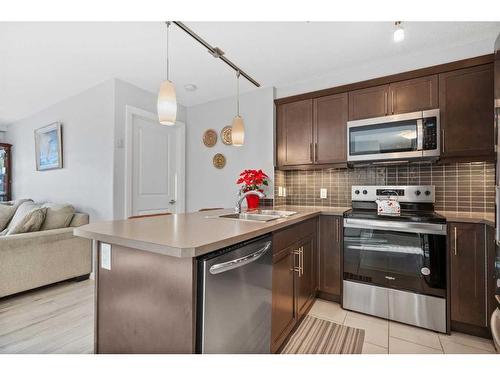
{"points": [[234, 299]]}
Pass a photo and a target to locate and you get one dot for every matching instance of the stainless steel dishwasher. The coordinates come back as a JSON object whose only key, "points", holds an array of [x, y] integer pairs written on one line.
{"points": [[234, 299]]}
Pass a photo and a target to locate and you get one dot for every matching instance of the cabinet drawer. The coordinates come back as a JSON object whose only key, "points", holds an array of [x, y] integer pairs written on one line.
{"points": [[288, 236]]}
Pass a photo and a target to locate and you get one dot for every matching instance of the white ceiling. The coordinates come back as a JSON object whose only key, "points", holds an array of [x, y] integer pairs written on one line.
{"points": [[43, 63]]}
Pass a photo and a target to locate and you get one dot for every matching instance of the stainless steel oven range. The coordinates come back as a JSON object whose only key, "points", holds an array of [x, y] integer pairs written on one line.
{"points": [[395, 266]]}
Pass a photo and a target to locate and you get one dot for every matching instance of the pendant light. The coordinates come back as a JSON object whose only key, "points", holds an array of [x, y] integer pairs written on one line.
{"points": [[238, 127], [399, 33], [167, 101]]}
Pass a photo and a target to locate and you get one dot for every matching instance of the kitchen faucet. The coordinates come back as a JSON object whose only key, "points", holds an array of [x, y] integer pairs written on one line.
{"points": [[237, 208]]}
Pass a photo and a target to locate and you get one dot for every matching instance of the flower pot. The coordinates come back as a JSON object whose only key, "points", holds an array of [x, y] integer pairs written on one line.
{"points": [[252, 202]]}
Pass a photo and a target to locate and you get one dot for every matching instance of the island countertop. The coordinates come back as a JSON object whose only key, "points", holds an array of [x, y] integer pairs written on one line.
{"points": [[192, 234]]}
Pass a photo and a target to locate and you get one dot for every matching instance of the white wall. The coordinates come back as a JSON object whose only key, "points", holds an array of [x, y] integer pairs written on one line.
{"points": [[373, 69], [86, 179], [207, 186]]}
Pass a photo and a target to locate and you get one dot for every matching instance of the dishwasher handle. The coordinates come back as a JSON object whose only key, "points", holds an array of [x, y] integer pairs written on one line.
{"points": [[239, 262]]}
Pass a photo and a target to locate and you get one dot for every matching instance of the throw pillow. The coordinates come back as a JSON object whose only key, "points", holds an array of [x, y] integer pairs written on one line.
{"points": [[6, 213], [32, 222], [24, 209], [58, 215]]}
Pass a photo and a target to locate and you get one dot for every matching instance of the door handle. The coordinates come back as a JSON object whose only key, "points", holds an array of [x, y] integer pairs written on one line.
{"points": [[171, 201], [239, 262]]}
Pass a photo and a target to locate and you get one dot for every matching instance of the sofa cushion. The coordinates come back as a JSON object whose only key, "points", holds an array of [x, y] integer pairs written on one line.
{"points": [[6, 213], [24, 209], [31, 222], [58, 215]]}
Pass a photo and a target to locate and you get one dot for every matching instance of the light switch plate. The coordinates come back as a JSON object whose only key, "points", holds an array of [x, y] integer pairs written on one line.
{"points": [[106, 256], [322, 193], [284, 192], [280, 191]]}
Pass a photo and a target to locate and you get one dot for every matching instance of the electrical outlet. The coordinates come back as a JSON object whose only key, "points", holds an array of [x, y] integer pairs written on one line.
{"points": [[322, 193], [280, 191], [105, 256]]}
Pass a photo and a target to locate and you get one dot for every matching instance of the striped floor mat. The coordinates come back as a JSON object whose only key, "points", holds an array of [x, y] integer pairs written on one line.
{"points": [[318, 336]]}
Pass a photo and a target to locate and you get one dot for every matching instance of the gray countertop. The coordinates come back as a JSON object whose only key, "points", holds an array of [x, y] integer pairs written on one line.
{"points": [[185, 235], [198, 233]]}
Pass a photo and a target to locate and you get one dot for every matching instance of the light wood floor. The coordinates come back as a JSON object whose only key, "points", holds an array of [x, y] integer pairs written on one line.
{"points": [[60, 319], [56, 319]]}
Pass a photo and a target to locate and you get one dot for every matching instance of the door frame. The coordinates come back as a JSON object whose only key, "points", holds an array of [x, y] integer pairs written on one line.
{"points": [[180, 188]]}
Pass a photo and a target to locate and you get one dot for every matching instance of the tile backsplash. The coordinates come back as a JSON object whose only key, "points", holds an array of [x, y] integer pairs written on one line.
{"points": [[468, 187]]}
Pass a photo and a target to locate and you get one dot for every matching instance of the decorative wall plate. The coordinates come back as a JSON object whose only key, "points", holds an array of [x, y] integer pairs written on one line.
{"points": [[210, 138], [225, 135], [219, 161]]}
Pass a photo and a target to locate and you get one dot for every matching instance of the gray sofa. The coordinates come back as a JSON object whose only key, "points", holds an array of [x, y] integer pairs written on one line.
{"points": [[34, 259]]}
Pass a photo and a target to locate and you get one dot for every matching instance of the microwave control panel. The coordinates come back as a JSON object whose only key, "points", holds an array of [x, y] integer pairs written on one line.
{"points": [[430, 131]]}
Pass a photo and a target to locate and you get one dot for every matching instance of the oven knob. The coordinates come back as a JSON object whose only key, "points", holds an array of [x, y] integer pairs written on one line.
{"points": [[425, 271], [427, 192], [356, 191], [417, 192], [365, 192]]}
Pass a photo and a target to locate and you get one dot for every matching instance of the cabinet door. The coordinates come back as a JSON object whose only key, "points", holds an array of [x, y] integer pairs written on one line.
{"points": [[467, 273], [295, 133], [305, 290], [283, 317], [370, 102], [330, 248], [466, 103], [414, 95], [330, 124]]}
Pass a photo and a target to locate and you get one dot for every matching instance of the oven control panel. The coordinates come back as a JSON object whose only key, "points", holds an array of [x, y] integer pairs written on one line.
{"points": [[412, 193]]}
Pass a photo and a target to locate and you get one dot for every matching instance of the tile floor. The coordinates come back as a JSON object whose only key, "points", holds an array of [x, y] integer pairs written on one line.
{"points": [[385, 337]]}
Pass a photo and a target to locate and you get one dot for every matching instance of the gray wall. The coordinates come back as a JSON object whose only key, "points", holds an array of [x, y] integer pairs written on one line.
{"points": [[207, 186], [86, 181]]}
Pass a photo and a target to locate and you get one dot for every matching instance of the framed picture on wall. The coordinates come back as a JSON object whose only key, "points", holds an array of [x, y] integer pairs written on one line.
{"points": [[48, 147]]}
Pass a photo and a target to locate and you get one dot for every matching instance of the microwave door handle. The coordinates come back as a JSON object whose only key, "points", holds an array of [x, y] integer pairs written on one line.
{"points": [[420, 135]]}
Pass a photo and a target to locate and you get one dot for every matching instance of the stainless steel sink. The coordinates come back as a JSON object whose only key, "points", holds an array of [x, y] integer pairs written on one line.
{"points": [[258, 215], [250, 217]]}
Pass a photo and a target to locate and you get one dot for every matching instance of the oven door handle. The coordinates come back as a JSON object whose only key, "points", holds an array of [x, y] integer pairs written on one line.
{"points": [[396, 226]]}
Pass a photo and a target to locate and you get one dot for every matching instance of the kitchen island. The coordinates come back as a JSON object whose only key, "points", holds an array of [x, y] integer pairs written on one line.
{"points": [[146, 275]]}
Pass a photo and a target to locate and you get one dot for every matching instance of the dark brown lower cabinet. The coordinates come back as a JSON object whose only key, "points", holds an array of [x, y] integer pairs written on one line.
{"points": [[294, 275], [330, 257], [470, 273]]}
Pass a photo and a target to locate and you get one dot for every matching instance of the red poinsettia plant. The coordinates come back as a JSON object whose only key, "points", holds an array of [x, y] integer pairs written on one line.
{"points": [[252, 179]]}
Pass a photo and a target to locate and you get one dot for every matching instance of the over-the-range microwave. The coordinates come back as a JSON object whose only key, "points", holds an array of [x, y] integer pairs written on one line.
{"points": [[408, 136]]}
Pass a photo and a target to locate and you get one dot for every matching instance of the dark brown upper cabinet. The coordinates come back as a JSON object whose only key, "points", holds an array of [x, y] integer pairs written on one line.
{"points": [[330, 129], [295, 133], [370, 102], [312, 131], [466, 103], [413, 95]]}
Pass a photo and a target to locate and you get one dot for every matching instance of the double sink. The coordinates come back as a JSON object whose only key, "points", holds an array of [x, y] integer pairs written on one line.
{"points": [[257, 215]]}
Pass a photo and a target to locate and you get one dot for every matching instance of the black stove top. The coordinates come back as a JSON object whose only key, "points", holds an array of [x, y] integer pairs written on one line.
{"points": [[406, 215]]}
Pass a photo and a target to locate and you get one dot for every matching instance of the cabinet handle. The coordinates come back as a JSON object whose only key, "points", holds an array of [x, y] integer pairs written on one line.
{"points": [[455, 238], [442, 140], [298, 269], [385, 102], [302, 259], [392, 102], [311, 152], [338, 230], [315, 152]]}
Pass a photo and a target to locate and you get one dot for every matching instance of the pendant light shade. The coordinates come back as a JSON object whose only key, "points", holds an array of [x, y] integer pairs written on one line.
{"points": [[167, 104], [238, 131], [238, 127], [167, 100]]}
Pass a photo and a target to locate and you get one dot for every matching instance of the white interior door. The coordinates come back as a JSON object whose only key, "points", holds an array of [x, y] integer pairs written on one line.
{"points": [[155, 165]]}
